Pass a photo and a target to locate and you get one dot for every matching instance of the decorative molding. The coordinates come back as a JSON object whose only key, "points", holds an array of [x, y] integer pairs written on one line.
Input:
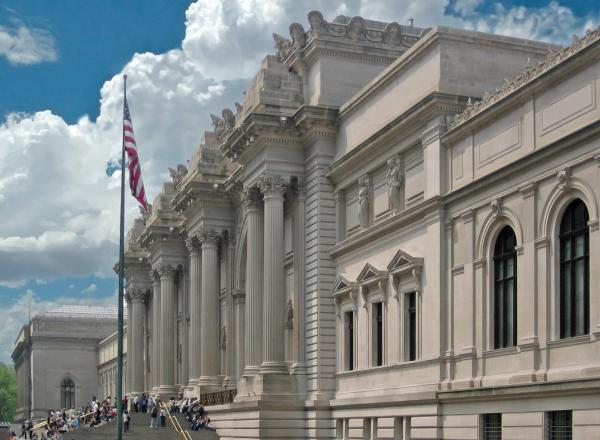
{"points": [[193, 245], [167, 271], [528, 190], [526, 77], [564, 177], [154, 275], [496, 207], [208, 237], [405, 267], [272, 185]]}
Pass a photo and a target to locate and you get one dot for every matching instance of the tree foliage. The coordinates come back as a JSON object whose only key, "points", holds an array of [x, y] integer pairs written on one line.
{"points": [[8, 393]]}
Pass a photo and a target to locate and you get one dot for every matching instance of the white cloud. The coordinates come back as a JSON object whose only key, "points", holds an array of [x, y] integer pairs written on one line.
{"points": [[63, 209], [92, 288], [23, 45], [16, 314]]}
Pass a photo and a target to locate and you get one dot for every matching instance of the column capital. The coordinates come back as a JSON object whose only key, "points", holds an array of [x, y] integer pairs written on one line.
{"points": [[167, 271], [134, 294], [208, 237], [251, 198], [193, 245], [272, 185], [154, 275]]}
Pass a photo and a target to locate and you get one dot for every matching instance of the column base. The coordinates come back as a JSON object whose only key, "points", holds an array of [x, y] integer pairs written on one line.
{"points": [[273, 368], [165, 392]]}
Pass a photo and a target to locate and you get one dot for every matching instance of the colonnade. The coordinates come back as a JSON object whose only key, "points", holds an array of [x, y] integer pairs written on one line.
{"points": [[259, 336]]}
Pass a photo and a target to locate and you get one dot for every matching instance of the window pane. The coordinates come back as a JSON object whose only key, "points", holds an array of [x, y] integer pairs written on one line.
{"points": [[492, 426], [566, 300], [509, 315], [579, 297], [580, 245], [560, 425]]}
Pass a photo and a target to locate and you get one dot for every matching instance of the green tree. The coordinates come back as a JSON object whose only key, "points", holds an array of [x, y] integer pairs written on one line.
{"points": [[8, 393]]}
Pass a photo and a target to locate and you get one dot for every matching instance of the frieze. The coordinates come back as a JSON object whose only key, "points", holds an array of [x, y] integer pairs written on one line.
{"points": [[530, 73]]}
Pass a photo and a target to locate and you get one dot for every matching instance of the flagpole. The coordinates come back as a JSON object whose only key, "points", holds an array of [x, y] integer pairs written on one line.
{"points": [[121, 283]]}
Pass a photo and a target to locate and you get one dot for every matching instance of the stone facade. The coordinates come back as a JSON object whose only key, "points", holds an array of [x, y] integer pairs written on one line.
{"points": [[61, 360], [390, 238]]}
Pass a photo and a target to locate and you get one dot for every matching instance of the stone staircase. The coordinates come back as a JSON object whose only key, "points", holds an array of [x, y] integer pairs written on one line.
{"points": [[139, 430]]}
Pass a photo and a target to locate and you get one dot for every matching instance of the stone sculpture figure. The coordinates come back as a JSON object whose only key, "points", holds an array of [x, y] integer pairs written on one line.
{"points": [[394, 180], [178, 174], [218, 123], [318, 25], [392, 34], [283, 46], [363, 201], [229, 118], [356, 28], [238, 107], [298, 35]]}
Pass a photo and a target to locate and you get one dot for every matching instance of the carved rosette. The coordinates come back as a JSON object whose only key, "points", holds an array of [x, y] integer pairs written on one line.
{"points": [[272, 185], [167, 271]]}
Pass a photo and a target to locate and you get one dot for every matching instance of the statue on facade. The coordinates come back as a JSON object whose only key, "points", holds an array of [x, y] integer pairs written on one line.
{"points": [[357, 28], [394, 180], [178, 174], [289, 315], [363, 201], [229, 118], [298, 35], [217, 123], [238, 107], [223, 337], [283, 46], [318, 25], [392, 34]]}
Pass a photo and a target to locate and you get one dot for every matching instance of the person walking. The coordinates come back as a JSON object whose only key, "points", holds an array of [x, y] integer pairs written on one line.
{"points": [[163, 417], [126, 419], [154, 417]]}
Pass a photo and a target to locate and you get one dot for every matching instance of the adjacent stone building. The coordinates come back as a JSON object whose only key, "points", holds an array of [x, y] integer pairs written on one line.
{"points": [[58, 357]]}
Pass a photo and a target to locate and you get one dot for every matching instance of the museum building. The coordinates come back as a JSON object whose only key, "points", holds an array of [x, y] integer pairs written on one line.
{"points": [[391, 237]]}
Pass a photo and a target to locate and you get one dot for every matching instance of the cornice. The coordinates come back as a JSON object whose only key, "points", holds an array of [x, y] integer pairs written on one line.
{"points": [[434, 104], [154, 233], [209, 192], [527, 77]]}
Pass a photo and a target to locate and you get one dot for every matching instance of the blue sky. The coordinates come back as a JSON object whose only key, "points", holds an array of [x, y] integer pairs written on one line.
{"points": [[61, 65]]}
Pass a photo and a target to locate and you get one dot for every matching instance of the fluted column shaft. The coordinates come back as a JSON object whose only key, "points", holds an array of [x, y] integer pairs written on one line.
{"points": [[168, 341], [129, 371], [273, 189], [254, 283], [209, 321], [299, 226], [195, 309], [135, 351], [155, 356]]}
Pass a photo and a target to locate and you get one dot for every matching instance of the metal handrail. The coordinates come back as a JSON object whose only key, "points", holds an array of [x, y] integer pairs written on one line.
{"points": [[217, 398], [45, 422], [184, 433]]}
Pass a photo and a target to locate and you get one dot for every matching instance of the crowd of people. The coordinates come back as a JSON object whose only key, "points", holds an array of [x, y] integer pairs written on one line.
{"points": [[58, 422], [99, 412], [194, 412]]}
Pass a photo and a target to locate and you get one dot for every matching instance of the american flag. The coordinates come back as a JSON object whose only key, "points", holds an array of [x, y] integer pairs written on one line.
{"points": [[135, 172]]}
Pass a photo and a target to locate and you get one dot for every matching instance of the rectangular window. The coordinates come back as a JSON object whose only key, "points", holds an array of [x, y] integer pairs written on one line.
{"points": [[560, 425], [349, 340], [377, 320], [411, 304], [492, 426]]}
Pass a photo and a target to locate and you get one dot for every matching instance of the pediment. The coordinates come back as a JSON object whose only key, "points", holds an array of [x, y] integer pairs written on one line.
{"points": [[369, 272], [341, 283], [402, 260]]}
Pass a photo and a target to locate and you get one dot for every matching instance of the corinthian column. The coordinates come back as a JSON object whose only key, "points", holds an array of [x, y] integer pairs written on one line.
{"points": [[129, 367], [155, 356], [135, 351], [273, 187], [168, 341], [299, 219], [254, 283], [209, 321], [193, 246]]}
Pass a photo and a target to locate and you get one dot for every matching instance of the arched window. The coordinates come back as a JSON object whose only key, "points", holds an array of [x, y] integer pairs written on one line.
{"points": [[67, 394], [574, 271], [505, 289]]}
